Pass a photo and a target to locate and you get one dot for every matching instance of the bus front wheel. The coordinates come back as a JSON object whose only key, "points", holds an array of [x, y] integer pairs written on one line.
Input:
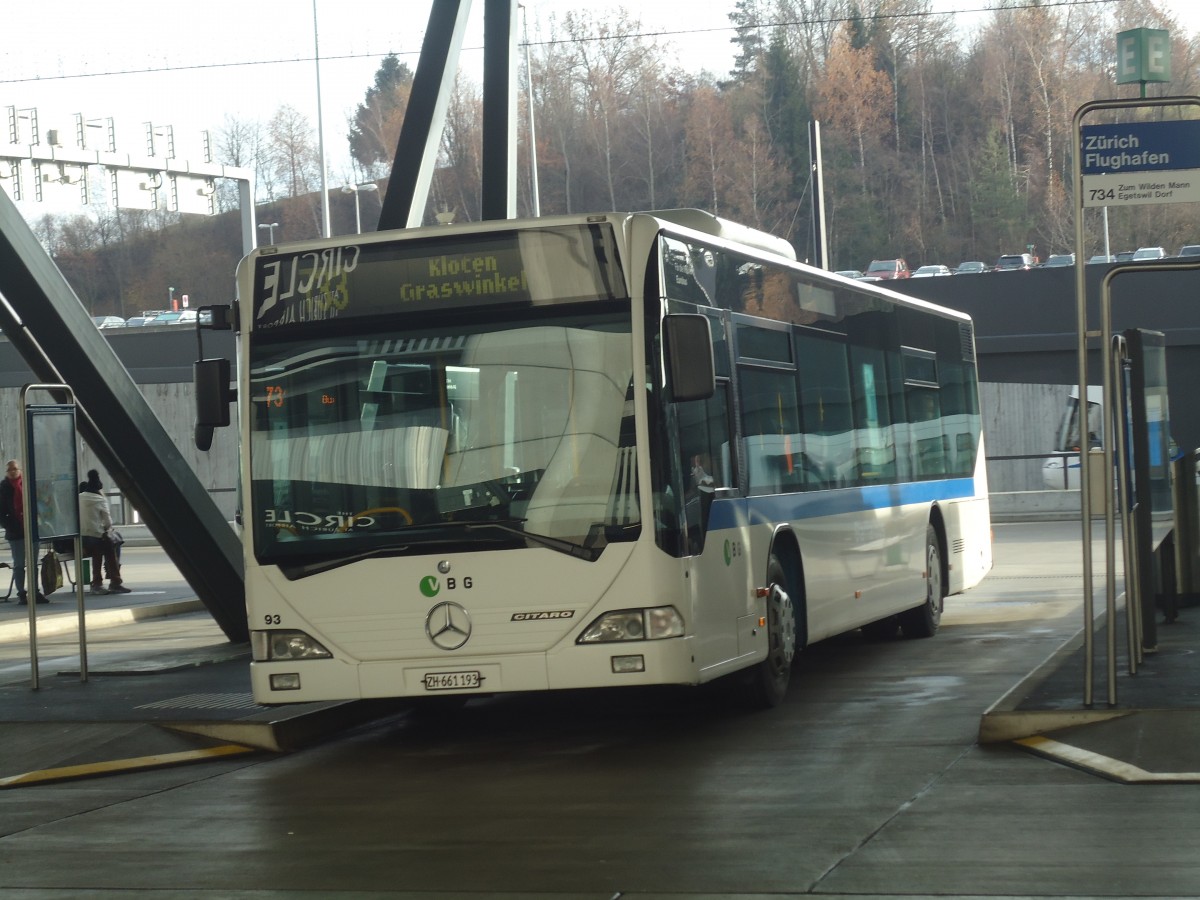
{"points": [[923, 621], [768, 680]]}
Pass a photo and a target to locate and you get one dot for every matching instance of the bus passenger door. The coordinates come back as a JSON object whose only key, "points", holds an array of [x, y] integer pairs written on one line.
{"points": [[714, 515]]}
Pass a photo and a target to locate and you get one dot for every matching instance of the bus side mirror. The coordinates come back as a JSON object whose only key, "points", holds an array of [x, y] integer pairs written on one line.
{"points": [[689, 347], [213, 396]]}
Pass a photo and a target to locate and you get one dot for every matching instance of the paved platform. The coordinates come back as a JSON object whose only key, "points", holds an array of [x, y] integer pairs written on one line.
{"points": [[1150, 734], [179, 705]]}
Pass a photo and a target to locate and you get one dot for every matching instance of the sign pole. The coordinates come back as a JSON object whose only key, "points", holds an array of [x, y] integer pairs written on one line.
{"points": [[1128, 164]]}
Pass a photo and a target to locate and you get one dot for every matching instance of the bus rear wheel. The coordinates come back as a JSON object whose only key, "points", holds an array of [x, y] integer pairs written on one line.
{"points": [[923, 621], [768, 681]]}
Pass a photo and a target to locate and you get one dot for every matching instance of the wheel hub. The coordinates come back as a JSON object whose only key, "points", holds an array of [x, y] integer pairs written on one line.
{"points": [[783, 628]]}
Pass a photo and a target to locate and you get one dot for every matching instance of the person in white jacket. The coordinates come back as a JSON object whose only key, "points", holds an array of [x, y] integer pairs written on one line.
{"points": [[95, 527]]}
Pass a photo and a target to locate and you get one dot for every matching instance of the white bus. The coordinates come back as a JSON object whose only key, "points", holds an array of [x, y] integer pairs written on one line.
{"points": [[587, 451]]}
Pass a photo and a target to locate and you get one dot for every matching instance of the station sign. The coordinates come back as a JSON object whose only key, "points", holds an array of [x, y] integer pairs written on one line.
{"points": [[1140, 162], [1143, 54]]}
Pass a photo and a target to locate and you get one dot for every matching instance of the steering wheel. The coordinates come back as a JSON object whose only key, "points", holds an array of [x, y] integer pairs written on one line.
{"points": [[408, 519]]}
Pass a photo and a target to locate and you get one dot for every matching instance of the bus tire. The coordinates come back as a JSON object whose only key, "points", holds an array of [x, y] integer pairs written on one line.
{"points": [[923, 621], [767, 683]]}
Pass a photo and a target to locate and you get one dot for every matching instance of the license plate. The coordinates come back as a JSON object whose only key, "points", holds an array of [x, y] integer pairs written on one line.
{"points": [[451, 681]]}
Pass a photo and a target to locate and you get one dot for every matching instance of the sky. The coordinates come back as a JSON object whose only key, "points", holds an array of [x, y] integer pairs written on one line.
{"points": [[139, 61]]}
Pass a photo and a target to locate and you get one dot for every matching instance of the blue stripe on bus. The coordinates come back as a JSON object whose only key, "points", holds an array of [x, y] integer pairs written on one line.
{"points": [[816, 504]]}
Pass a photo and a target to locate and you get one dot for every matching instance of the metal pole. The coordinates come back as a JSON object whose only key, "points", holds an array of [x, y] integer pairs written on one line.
{"points": [[1081, 325], [820, 242], [320, 132], [535, 204], [1112, 426], [1110, 574], [1132, 611], [30, 574], [83, 659]]}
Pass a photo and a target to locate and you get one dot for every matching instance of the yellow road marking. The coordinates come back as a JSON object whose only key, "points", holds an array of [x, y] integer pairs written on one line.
{"points": [[108, 767], [1099, 764]]}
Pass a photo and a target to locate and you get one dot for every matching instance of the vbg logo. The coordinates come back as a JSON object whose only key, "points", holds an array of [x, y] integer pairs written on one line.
{"points": [[430, 586]]}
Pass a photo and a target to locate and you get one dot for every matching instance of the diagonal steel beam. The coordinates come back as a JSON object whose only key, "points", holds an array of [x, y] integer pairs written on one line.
{"points": [[421, 134], [53, 332], [499, 109]]}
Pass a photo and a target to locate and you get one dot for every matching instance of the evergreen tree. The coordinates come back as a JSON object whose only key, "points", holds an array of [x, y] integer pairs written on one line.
{"points": [[746, 18], [787, 110], [376, 126]]}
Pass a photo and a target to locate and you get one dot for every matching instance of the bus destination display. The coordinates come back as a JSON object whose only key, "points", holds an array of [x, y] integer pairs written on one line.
{"points": [[354, 280]]}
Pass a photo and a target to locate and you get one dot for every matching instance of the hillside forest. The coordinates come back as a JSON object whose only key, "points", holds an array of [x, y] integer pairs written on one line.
{"points": [[937, 146]]}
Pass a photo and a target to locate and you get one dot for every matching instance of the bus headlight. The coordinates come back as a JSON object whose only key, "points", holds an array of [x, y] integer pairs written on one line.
{"points": [[266, 646], [651, 624]]}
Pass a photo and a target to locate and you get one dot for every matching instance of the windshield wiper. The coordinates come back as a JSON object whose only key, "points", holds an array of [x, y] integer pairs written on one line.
{"points": [[292, 571], [302, 569], [588, 553]]}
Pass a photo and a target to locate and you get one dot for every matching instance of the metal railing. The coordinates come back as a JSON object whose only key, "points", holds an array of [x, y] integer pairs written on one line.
{"points": [[998, 483]]}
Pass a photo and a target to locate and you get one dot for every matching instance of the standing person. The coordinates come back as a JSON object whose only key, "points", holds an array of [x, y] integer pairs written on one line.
{"points": [[95, 521], [12, 517]]}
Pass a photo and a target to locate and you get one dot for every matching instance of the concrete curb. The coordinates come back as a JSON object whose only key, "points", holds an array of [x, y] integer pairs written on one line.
{"points": [[49, 624]]}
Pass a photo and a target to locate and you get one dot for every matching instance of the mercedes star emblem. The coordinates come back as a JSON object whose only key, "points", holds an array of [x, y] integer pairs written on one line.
{"points": [[448, 625]]}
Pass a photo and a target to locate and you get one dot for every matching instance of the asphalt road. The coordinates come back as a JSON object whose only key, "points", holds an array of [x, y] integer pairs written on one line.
{"points": [[867, 781]]}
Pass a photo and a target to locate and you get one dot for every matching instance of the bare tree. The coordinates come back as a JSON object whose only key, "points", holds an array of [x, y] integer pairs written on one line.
{"points": [[709, 139], [458, 184], [292, 154], [241, 143], [611, 60], [855, 97]]}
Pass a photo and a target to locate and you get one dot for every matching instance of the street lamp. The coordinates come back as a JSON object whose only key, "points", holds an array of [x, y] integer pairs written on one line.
{"points": [[270, 228], [355, 189], [535, 204]]}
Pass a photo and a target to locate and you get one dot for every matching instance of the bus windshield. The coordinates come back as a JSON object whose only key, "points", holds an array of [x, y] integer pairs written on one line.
{"points": [[489, 435]]}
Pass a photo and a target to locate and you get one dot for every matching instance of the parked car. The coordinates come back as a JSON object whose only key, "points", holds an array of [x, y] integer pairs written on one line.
{"points": [[186, 317], [1124, 256], [1055, 260], [931, 271], [1014, 262], [1190, 250], [1142, 254], [849, 273], [1101, 258], [108, 321], [886, 270], [136, 321], [974, 267], [164, 318]]}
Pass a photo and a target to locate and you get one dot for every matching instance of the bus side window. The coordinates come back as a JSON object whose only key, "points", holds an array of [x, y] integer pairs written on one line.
{"points": [[930, 445], [825, 395], [775, 454]]}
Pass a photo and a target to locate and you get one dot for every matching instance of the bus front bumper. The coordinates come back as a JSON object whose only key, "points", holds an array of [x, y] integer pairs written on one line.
{"points": [[603, 665]]}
